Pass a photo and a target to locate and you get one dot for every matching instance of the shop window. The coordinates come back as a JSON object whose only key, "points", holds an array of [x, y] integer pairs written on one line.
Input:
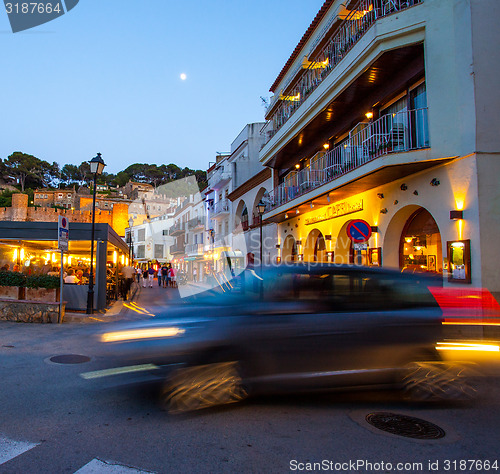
{"points": [[420, 245], [459, 270]]}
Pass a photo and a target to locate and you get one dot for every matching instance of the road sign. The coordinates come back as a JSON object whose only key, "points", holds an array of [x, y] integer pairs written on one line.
{"points": [[63, 234], [359, 231]]}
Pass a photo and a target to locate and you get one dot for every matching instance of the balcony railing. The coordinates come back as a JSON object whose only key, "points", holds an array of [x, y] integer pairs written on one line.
{"points": [[399, 132], [176, 249], [194, 249], [221, 207], [196, 222], [177, 228], [338, 46]]}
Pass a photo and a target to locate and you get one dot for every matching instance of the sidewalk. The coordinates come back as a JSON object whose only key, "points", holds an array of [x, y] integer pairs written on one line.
{"points": [[111, 313]]}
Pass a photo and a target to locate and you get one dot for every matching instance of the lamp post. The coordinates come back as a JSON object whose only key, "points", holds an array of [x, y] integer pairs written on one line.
{"points": [[96, 166], [130, 250], [261, 207]]}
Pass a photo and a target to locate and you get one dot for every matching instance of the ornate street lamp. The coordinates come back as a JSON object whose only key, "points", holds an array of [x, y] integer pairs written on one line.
{"points": [[261, 207], [130, 249], [96, 166]]}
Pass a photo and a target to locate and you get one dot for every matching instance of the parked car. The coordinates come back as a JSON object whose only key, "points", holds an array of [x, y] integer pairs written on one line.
{"points": [[293, 328]]}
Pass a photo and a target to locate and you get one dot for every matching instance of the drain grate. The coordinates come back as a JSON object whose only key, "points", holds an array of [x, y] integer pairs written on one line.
{"points": [[403, 425], [69, 359]]}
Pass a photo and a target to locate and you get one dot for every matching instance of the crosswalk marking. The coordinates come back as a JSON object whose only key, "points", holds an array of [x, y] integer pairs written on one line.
{"points": [[10, 449], [96, 466]]}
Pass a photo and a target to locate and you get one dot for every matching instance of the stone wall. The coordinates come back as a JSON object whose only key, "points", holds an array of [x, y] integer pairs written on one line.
{"points": [[28, 311]]}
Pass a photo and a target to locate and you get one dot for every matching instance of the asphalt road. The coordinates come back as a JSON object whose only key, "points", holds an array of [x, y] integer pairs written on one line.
{"points": [[54, 421]]}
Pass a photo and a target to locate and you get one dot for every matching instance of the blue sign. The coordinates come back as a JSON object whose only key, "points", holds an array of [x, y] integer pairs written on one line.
{"points": [[359, 231]]}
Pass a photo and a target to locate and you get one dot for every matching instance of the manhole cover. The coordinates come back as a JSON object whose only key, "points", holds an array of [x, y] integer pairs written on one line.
{"points": [[69, 359], [403, 425]]}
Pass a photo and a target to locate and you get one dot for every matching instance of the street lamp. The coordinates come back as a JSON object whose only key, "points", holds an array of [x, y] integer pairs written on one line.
{"points": [[261, 207], [130, 251], [96, 166]]}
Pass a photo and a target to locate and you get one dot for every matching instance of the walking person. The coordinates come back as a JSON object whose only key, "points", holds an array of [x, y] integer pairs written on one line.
{"points": [[128, 276], [145, 276], [164, 275], [160, 277], [151, 276]]}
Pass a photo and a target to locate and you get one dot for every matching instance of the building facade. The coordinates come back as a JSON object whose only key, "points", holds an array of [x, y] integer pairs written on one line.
{"points": [[383, 113]]}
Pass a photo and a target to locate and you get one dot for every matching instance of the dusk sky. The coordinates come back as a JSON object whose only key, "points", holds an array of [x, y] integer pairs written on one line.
{"points": [[106, 77]]}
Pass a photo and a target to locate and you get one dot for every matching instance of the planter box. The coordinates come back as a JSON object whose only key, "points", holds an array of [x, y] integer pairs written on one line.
{"points": [[12, 292], [43, 294]]}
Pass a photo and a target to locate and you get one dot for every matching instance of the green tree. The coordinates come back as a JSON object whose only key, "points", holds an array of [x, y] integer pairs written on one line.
{"points": [[27, 168]]}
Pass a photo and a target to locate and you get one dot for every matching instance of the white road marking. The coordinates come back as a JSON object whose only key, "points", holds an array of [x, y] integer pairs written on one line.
{"points": [[96, 466], [9, 448]]}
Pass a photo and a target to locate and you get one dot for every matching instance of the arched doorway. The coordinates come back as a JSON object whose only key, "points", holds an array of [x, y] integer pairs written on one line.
{"points": [[420, 248], [315, 248], [289, 250]]}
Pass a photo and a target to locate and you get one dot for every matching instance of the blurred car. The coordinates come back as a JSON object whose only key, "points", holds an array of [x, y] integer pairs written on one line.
{"points": [[293, 328]]}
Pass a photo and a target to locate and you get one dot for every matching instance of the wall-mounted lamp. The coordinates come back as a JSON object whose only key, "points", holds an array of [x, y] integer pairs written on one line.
{"points": [[298, 242], [403, 187], [328, 237], [297, 166], [369, 115], [297, 211], [435, 182], [286, 216], [384, 210], [374, 228], [312, 204], [278, 246], [380, 195], [455, 215], [395, 202], [328, 198], [326, 146], [415, 192]]}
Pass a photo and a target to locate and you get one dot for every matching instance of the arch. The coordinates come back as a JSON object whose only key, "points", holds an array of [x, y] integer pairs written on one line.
{"points": [[289, 250], [314, 247], [343, 246], [241, 215], [413, 241]]}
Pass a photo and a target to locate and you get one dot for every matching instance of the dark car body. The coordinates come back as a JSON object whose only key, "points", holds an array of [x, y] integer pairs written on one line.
{"points": [[291, 328]]}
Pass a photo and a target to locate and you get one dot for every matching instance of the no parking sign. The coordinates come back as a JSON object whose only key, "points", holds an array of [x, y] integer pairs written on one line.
{"points": [[359, 231]]}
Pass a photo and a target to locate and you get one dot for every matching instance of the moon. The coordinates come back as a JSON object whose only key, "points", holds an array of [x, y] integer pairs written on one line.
{"points": [[183, 77]]}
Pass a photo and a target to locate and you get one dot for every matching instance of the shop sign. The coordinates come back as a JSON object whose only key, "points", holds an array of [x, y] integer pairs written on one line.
{"points": [[335, 210]]}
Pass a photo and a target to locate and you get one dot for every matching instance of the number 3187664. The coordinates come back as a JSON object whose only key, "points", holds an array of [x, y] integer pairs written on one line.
{"points": [[33, 8]]}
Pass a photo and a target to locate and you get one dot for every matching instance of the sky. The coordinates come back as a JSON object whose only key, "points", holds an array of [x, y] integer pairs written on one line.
{"points": [[106, 77]]}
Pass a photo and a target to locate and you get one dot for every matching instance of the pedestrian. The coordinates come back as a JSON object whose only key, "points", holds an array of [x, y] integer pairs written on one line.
{"points": [[172, 273], [164, 275], [194, 274], [138, 272], [145, 276], [160, 276], [151, 276], [128, 275]]}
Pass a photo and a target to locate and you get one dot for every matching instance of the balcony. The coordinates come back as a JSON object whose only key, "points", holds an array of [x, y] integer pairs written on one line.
{"points": [[177, 229], [193, 250], [219, 178], [394, 133], [196, 223], [221, 209], [327, 53], [177, 249]]}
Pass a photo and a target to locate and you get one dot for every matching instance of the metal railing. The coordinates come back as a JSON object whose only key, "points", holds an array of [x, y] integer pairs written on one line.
{"points": [[398, 132], [194, 249], [196, 222], [356, 23], [221, 206]]}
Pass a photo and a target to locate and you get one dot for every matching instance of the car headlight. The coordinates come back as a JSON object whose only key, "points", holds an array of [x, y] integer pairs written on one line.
{"points": [[136, 334]]}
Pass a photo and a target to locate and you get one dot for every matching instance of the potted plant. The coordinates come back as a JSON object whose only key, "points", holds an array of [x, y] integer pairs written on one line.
{"points": [[42, 288], [12, 285]]}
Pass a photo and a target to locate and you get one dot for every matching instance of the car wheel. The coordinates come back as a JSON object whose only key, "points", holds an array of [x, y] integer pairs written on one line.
{"points": [[431, 381], [203, 386]]}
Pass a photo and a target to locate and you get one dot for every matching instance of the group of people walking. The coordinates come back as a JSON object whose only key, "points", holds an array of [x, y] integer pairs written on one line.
{"points": [[166, 275]]}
